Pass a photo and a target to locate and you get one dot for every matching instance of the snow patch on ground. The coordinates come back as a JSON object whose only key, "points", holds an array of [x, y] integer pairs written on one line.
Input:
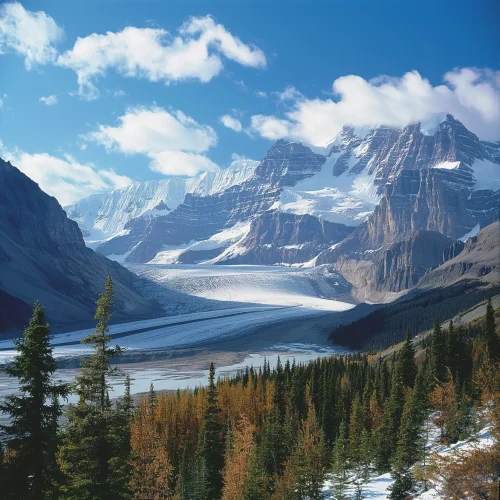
{"points": [[378, 486]]}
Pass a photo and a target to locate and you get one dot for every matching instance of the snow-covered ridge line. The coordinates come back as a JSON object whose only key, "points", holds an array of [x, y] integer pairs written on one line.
{"points": [[102, 216]]}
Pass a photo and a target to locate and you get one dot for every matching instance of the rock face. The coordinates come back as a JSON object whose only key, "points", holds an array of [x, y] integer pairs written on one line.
{"points": [[398, 267], [43, 256], [277, 237], [479, 259]]}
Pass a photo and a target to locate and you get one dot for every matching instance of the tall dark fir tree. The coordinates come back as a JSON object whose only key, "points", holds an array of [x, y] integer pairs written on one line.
{"points": [[211, 447], [92, 456], [32, 432]]}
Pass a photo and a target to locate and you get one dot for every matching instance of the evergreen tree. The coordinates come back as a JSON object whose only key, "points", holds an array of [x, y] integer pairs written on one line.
{"points": [[392, 417], [408, 367], [257, 483], [91, 455], [408, 436], [492, 340], [362, 467], [403, 484], [355, 430], [127, 404], [308, 458], [152, 398], [420, 399], [438, 369], [32, 433], [211, 447], [452, 360], [340, 465]]}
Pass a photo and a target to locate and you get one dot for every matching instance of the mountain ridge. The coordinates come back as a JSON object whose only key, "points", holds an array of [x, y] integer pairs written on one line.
{"points": [[43, 256]]}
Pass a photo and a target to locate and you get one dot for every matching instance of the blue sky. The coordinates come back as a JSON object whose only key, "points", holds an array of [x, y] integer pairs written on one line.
{"points": [[239, 75]]}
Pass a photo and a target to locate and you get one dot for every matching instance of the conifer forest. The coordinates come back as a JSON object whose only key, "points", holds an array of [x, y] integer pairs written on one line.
{"points": [[275, 433]]}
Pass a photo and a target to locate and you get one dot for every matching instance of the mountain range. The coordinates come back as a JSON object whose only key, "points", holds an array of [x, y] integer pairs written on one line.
{"points": [[391, 210], [384, 205]]}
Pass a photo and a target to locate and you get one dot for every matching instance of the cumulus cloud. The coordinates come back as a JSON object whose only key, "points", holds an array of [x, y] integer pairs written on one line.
{"points": [[29, 34], [261, 94], [173, 141], [230, 122], [50, 100], [154, 54], [472, 95], [270, 127], [64, 178]]}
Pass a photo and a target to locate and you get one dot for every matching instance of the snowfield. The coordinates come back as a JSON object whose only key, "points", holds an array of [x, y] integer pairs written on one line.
{"points": [[349, 201]]}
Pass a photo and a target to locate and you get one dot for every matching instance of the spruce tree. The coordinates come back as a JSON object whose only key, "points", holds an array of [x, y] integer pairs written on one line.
{"points": [[403, 484], [362, 467], [211, 443], [91, 455], [340, 465], [32, 431], [408, 367], [492, 340], [437, 367], [152, 398], [392, 417]]}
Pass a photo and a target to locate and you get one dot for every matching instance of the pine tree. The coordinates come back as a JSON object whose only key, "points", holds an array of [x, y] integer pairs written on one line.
{"points": [[257, 483], [355, 430], [211, 447], [127, 404], [32, 433], [90, 456], [408, 367], [403, 484], [492, 340], [438, 356], [362, 467], [392, 417], [420, 399], [452, 360], [152, 398], [340, 465], [408, 436]]}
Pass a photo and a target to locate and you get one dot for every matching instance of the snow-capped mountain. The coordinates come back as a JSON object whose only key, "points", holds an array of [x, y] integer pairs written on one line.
{"points": [[368, 190], [102, 216]]}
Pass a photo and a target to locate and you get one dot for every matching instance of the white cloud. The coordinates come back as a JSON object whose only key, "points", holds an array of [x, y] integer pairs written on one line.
{"points": [[261, 94], [50, 100], [154, 54], [174, 142], [230, 122], [289, 94], [29, 34], [270, 127], [472, 95], [64, 178], [181, 163]]}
